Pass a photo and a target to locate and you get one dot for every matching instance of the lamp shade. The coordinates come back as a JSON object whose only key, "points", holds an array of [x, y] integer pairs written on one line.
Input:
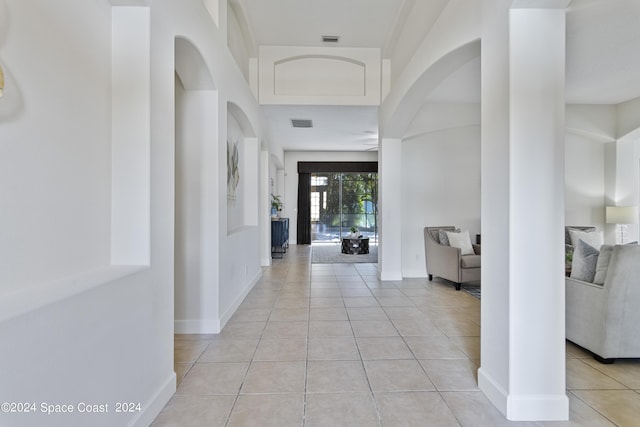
{"points": [[622, 215]]}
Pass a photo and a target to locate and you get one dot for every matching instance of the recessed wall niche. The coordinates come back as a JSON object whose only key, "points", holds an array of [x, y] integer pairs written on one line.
{"points": [[241, 171]]}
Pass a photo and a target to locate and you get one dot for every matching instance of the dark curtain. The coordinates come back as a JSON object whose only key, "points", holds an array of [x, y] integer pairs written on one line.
{"points": [[304, 208], [313, 167]]}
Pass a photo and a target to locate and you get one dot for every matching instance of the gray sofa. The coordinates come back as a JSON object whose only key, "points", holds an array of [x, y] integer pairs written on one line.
{"points": [[447, 261], [605, 319]]}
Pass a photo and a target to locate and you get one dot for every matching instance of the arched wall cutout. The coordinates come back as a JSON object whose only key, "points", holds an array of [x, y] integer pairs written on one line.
{"points": [[319, 75], [396, 120], [329, 57], [191, 67], [242, 119]]}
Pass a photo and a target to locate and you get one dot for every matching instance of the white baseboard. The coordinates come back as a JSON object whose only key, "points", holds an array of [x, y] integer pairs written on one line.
{"points": [[545, 407], [414, 274], [496, 394], [214, 326], [234, 306], [152, 407], [390, 275], [196, 326], [524, 407]]}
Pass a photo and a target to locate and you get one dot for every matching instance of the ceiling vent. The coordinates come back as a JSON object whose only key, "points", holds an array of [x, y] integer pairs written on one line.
{"points": [[301, 123], [330, 39]]}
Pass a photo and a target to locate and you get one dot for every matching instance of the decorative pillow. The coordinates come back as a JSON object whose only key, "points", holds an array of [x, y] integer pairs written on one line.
{"points": [[585, 259], [461, 240], [594, 238], [444, 239], [603, 264]]}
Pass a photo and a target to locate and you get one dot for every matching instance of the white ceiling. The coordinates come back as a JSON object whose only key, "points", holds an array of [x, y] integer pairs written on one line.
{"points": [[335, 128], [603, 51], [603, 59], [359, 23]]}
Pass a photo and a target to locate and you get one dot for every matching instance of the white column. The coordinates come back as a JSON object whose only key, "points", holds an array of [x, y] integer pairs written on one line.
{"points": [[523, 336], [493, 375], [252, 177], [390, 209], [265, 210]]}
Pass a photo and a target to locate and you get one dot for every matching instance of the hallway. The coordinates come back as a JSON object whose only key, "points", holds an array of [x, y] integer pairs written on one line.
{"points": [[331, 345]]}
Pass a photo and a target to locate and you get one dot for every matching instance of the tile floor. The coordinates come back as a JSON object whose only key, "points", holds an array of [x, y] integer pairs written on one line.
{"points": [[331, 345]]}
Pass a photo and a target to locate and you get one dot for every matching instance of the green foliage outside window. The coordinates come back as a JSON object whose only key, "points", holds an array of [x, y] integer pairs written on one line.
{"points": [[357, 190]]}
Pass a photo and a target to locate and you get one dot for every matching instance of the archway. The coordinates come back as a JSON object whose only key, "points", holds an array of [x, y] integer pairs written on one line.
{"points": [[196, 111]]}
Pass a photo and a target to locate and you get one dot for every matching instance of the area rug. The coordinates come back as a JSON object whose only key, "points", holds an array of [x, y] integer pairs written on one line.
{"points": [[472, 290], [330, 253]]}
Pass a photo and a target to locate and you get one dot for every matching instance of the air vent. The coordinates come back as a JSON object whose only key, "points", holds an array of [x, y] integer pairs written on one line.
{"points": [[301, 123], [330, 39]]}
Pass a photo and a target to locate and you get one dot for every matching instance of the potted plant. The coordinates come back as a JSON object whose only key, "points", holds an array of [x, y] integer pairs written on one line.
{"points": [[354, 232], [276, 205]]}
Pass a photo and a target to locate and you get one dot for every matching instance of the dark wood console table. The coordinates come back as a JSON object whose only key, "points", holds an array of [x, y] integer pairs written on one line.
{"points": [[279, 237]]}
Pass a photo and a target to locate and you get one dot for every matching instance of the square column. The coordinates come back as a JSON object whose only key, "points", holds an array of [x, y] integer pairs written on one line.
{"points": [[390, 209], [523, 305]]}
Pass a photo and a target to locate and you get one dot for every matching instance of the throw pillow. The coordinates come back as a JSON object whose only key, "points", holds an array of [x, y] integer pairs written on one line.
{"points": [[461, 240], [442, 235], [594, 238], [585, 259], [443, 238], [603, 264]]}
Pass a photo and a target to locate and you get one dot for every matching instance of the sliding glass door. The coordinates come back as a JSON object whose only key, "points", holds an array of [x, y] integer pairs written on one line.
{"points": [[341, 200]]}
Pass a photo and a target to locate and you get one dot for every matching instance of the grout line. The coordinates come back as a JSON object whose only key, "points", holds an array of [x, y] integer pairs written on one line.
{"points": [[283, 273], [306, 364]]}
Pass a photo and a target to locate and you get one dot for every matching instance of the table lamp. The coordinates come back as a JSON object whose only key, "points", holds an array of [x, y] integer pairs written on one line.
{"points": [[622, 215]]}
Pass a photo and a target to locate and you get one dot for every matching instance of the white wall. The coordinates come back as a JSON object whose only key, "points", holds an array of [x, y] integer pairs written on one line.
{"points": [[273, 177], [54, 162], [584, 181], [628, 117], [440, 186], [196, 290], [451, 42], [236, 41], [433, 152], [319, 75], [627, 182], [290, 191], [98, 332], [420, 20], [590, 165]]}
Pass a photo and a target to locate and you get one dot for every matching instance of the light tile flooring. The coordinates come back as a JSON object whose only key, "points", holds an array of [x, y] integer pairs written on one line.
{"points": [[331, 345]]}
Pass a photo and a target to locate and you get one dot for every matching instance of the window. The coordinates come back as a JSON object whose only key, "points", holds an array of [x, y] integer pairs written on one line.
{"points": [[340, 201]]}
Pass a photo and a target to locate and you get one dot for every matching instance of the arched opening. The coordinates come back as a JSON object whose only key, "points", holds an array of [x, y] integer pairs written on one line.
{"points": [[196, 129]]}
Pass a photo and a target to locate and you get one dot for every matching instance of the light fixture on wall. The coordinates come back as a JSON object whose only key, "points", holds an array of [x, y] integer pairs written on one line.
{"points": [[1, 81], [621, 216]]}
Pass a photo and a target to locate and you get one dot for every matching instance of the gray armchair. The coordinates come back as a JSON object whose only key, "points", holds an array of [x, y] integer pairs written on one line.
{"points": [[447, 261], [604, 319]]}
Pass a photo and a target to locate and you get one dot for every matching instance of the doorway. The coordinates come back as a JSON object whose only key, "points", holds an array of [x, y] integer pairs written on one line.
{"points": [[341, 201]]}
